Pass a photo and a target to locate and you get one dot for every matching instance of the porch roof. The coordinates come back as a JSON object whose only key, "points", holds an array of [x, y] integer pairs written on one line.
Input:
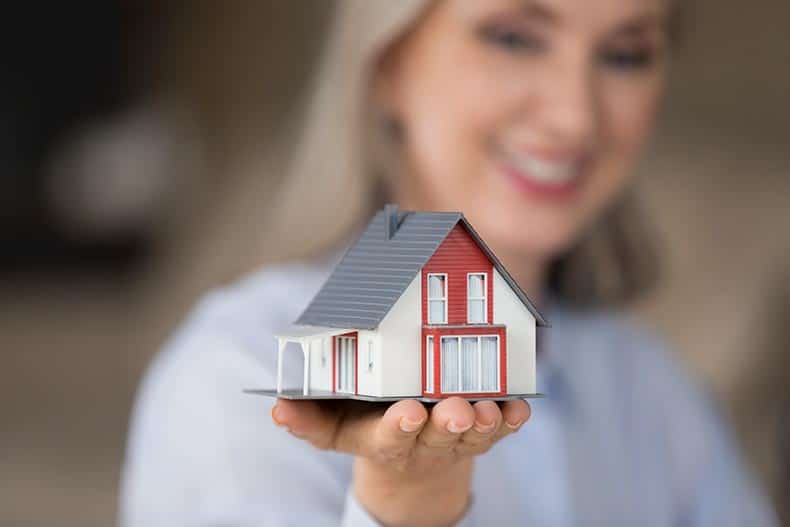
{"points": [[297, 333]]}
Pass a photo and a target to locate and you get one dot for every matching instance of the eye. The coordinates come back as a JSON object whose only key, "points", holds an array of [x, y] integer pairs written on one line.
{"points": [[628, 59], [511, 39]]}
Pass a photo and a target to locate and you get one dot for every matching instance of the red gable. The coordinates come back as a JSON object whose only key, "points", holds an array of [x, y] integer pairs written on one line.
{"points": [[458, 255]]}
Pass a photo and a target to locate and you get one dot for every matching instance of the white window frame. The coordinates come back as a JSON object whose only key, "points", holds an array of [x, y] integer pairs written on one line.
{"points": [[479, 363], [429, 363], [444, 298], [484, 298]]}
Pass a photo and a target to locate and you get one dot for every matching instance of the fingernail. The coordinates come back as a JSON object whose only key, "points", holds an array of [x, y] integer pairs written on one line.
{"points": [[409, 426], [514, 426], [485, 428], [453, 428]]}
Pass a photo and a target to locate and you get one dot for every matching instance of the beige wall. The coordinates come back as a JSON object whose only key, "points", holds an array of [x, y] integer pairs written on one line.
{"points": [[509, 310], [401, 343]]}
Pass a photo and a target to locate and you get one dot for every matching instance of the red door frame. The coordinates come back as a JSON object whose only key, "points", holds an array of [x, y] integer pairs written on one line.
{"points": [[437, 333], [355, 335]]}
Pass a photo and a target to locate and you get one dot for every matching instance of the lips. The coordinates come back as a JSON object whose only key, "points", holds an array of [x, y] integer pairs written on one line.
{"points": [[542, 177]]}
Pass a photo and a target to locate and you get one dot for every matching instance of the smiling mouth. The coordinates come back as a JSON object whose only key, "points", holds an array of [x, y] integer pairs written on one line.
{"points": [[544, 178]]}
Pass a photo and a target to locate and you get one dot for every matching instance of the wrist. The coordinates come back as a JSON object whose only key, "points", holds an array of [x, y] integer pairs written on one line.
{"points": [[403, 497]]}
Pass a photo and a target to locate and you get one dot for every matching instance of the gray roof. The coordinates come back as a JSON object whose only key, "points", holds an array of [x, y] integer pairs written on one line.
{"points": [[378, 268]]}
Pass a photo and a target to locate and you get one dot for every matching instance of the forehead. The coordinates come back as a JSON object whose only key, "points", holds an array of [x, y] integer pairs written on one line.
{"points": [[588, 15]]}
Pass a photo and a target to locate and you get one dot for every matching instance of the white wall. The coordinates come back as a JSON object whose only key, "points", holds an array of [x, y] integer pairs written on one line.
{"points": [[509, 310], [321, 370], [369, 379], [400, 335]]}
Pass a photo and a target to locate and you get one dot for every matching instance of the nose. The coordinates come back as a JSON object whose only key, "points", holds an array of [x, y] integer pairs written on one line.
{"points": [[566, 103]]}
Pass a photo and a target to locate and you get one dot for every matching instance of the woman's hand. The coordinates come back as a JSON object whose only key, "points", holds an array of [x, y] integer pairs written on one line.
{"points": [[412, 466]]}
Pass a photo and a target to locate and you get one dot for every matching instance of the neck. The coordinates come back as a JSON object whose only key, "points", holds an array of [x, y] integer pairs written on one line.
{"points": [[529, 273]]}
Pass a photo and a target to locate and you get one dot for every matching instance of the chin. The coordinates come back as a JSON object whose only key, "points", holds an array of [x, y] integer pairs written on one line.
{"points": [[529, 237]]}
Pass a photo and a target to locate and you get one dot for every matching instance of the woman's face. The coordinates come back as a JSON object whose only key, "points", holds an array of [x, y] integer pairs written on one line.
{"points": [[526, 115]]}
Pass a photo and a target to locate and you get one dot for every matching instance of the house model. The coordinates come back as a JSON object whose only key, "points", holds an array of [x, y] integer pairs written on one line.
{"points": [[419, 307]]}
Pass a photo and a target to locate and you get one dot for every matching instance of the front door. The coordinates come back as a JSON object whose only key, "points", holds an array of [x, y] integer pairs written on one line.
{"points": [[345, 365]]}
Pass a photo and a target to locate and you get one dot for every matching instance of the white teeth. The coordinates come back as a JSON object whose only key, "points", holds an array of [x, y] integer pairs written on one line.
{"points": [[545, 171]]}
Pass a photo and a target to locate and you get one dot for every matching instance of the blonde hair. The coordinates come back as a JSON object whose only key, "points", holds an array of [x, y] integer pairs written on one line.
{"points": [[335, 175]]}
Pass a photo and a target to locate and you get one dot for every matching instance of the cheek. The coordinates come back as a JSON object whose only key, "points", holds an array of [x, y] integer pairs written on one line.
{"points": [[631, 112], [628, 113], [450, 121]]}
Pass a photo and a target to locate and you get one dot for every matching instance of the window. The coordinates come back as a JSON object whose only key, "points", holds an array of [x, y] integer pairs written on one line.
{"points": [[437, 299], [476, 306], [429, 364], [470, 364], [346, 374]]}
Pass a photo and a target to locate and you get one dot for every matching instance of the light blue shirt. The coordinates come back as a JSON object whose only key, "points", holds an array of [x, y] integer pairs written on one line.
{"points": [[622, 438]]}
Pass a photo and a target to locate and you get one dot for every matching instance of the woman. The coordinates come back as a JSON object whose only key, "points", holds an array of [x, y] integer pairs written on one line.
{"points": [[528, 116]]}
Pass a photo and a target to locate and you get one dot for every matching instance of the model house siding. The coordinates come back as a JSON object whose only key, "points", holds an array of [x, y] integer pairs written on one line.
{"points": [[511, 312], [457, 256], [411, 278], [400, 333], [368, 363], [320, 366]]}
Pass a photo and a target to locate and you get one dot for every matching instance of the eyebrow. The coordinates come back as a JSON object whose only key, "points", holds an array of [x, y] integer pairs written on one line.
{"points": [[640, 23], [539, 12]]}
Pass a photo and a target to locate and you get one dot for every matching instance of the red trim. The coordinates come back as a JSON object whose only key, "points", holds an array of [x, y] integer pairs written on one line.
{"points": [[334, 365], [355, 335], [483, 330], [425, 334]]}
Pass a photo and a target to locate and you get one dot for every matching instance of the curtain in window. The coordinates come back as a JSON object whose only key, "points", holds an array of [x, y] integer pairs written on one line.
{"points": [[476, 301], [476, 311], [341, 371], [490, 363], [436, 299], [436, 286], [449, 364], [352, 343], [470, 372], [436, 312], [476, 285], [345, 366]]}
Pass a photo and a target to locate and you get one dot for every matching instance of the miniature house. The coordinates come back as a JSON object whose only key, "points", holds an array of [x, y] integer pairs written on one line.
{"points": [[418, 307]]}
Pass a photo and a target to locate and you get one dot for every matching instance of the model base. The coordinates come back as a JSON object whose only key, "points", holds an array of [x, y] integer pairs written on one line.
{"points": [[298, 394]]}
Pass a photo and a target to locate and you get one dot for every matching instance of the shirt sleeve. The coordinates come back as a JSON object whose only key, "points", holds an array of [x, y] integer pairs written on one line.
{"points": [[203, 453]]}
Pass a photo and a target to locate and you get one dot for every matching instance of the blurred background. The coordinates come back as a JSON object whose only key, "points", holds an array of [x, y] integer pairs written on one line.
{"points": [[133, 177]]}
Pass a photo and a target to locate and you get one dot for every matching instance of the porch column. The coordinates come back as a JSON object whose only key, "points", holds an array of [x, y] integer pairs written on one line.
{"points": [[281, 343], [306, 350]]}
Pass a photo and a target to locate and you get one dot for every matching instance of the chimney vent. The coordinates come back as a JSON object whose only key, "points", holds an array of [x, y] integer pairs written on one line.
{"points": [[390, 220]]}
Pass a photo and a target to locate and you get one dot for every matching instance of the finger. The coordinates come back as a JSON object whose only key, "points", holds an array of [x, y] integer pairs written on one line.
{"points": [[448, 421], [396, 432], [307, 420], [514, 414], [479, 438]]}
